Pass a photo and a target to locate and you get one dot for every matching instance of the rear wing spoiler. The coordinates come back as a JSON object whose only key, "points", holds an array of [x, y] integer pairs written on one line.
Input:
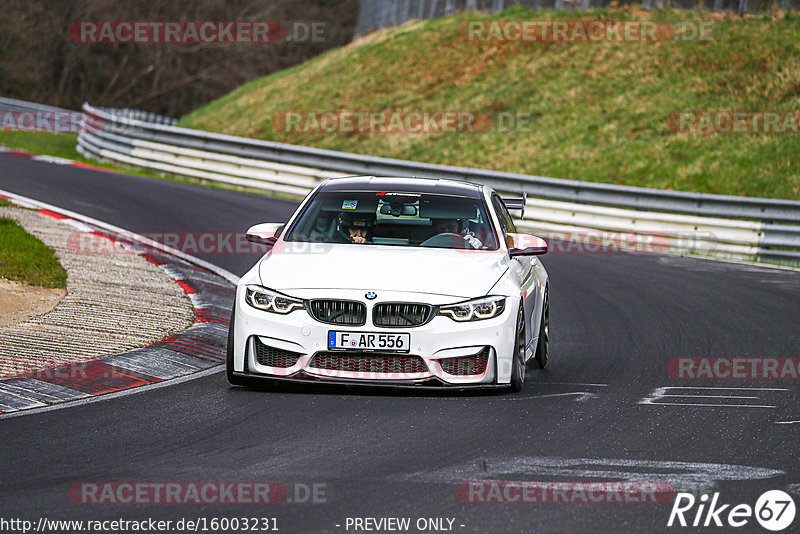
{"points": [[516, 204]]}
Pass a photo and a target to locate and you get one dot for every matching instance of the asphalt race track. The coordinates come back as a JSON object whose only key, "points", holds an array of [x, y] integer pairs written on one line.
{"points": [[616, 321]]}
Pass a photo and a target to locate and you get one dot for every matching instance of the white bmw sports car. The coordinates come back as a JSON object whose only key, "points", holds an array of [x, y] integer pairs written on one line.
{"points": [[393, 281]]}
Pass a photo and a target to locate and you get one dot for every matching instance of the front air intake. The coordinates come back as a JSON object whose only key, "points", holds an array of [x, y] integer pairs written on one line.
{"points": [[272, 357], [368, 363], [466, 365]]}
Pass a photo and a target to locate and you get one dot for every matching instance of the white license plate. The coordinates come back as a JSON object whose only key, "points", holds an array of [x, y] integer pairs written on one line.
{"points": [[370, 341]]}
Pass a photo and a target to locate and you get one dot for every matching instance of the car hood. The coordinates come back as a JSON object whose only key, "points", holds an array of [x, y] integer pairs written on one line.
{"points": [[457, 273]]}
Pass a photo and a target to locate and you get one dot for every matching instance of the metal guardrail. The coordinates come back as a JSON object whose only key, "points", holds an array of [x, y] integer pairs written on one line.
{"points": [[25, 116], [139, 115], [723, 226], [13, 104]]}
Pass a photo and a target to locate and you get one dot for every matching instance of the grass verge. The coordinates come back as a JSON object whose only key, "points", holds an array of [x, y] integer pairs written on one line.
{"points": [[25, 258], [61, 146]]}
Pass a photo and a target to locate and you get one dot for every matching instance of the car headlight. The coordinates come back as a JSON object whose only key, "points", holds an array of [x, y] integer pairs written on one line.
{"points": [[474, 310], [271, 301]]}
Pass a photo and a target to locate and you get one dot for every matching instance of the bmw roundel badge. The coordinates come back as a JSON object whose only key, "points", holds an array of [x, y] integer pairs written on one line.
{"points": [[371, 295]]}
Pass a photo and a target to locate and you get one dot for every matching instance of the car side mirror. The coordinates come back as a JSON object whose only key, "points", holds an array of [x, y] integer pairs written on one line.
{"points": [[525, 245], [264, 233]]}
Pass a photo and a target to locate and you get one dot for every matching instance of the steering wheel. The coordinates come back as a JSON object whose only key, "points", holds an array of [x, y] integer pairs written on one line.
{"points": [[446, 240]]}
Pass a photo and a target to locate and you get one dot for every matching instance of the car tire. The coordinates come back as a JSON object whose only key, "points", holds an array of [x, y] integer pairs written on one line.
{"points": [[518, 360], [543, 345], [233, 379]]}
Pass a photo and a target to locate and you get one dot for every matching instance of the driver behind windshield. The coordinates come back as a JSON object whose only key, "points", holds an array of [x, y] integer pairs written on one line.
{"points": [[447, 226], [457, 227], [356, 227]]}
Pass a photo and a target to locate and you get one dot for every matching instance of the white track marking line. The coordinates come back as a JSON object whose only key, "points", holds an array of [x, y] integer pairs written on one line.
{"points": [[584, 395], [710, 396], [572, 384], [707, 405], [655, 397], [682, 476], [714, 388]]}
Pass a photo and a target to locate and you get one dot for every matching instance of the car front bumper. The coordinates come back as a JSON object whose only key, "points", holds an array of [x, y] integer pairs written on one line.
{"points": [[298, 350]]}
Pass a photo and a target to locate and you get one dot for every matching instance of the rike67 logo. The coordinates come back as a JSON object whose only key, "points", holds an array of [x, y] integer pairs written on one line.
{"points": [[774, 510]]}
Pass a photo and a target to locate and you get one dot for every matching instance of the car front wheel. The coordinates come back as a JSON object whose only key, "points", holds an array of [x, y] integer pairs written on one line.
{"points": [[518, 361], [235, 380], [543, 345]]}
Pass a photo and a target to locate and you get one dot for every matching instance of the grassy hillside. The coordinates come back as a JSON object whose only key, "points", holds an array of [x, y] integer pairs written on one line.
{"points": [[600, 109]]}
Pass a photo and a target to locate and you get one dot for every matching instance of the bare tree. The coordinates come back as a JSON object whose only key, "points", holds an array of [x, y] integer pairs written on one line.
{"points": [[39, 61]]}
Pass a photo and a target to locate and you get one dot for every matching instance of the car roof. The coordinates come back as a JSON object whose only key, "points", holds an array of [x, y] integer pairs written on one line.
{"points": [[405, 185]]}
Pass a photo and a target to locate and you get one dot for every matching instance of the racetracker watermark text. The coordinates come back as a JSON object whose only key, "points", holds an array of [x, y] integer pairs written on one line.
{"points": [[441, 121], [589, 31], [197, 31], [528, 491], [576, 242], [188, 242], [603, 242], [726, 368], [716, 121], [203, 493], [43, 121]]}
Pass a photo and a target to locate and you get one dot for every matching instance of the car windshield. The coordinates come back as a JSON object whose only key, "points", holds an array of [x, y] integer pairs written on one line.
{"points": [[395, 219]]}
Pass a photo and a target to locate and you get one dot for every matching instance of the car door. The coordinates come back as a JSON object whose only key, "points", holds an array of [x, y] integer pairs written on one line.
{"points": [[521, 268]]}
